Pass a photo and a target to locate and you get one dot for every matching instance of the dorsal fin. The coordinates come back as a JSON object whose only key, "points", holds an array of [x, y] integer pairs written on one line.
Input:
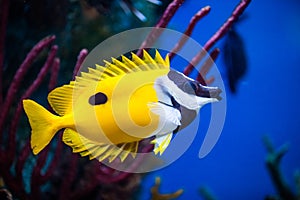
{"points": [[134, 66], [60, 99], [159, 60], [121, 65], [139, 62], [125, 66], [149, 60], [114, 68], [167, 60]]}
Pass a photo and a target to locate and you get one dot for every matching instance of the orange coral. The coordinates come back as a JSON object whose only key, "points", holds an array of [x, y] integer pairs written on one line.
{"points": [[155, 195]]}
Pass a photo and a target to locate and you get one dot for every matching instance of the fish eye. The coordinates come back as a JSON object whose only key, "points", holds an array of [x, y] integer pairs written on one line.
{"points": [[98, 99], [194, 85]]}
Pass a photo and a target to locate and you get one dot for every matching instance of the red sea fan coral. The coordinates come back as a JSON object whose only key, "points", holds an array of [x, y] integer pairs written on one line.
{"points": [[57, 173]]}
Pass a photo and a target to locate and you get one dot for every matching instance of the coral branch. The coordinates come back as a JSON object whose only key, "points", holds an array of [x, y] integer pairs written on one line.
{"points": [[36, 174], [273, 165], [217, 36], [156, 195], [87, 185], [25, 151], [16, 183], [204, 69], [238, 11], [55, 160], [3, 17], [37, 82], [162, 23], [12, 183], [297, 181], [54, 74], [82, 55], [69, 178], [198, 16], [16, 82], [107, 175], [188, 69], [206, 193], [12, 134]]}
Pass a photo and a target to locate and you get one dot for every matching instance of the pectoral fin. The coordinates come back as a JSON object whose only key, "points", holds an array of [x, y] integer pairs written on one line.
{"points": [[161, 143], [167, 113]]}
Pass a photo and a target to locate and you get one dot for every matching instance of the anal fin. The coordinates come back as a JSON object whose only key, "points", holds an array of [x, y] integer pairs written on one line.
{"points": [[96, 150]]}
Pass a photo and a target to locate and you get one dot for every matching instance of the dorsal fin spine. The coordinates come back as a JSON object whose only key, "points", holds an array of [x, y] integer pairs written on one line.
{"points": [[94, 71], [131, 64], [167, 60], [140, 63], [126, 65], [90, 76], [121, 65], [149, 60], [113, 67], [105, 71], [109, 71], [159, 60]]}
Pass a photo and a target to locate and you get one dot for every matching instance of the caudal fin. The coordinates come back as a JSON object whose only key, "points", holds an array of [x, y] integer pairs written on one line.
{"points": [[44, 125]]}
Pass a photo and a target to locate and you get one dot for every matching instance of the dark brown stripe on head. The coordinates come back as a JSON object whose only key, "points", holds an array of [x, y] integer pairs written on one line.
{"points": [[193, 87], [180, 81]]}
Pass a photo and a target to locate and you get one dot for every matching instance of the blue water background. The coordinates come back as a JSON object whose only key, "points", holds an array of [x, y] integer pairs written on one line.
{"points": [[267, 103]]}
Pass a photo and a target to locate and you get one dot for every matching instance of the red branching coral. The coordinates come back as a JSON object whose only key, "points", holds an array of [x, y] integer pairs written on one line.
{"points": [[218, 35], [170, 12], [194, 20], [57, 173], [8, 154]]}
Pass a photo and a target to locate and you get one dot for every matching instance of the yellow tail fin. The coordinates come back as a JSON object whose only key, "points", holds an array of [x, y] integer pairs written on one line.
{"points": [[43, 124]]}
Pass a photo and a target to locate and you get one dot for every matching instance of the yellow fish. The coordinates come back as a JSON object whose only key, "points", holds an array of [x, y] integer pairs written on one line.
{"points": [[106, 111]]}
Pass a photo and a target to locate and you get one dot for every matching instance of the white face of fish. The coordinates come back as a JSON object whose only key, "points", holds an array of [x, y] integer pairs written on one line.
{"points": [[179, 101], [185, 91]]}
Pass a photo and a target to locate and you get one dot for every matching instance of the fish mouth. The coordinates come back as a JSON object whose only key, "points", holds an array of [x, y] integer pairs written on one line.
{"points": [[208, 92]]}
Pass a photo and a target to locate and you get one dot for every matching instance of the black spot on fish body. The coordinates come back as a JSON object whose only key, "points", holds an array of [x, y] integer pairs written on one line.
{"points": [[234, 59], [98, 99]]}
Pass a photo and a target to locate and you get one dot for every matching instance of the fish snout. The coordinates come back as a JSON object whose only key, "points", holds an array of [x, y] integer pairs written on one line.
{"points": [[208, 92]]}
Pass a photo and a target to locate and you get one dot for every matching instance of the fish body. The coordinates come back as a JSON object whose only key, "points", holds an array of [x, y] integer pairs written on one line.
{"points": [[126, 107], [106, 111]]}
